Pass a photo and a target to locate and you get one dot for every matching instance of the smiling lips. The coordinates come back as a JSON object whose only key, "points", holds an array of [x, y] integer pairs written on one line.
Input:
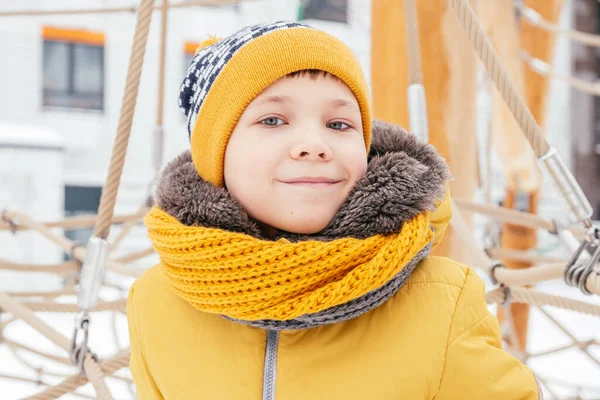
{"points": [[316, 182]]}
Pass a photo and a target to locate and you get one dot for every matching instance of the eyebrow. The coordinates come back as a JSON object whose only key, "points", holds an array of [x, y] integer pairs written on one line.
{"points": [[275, 99], [343, 103], [337, 103]]}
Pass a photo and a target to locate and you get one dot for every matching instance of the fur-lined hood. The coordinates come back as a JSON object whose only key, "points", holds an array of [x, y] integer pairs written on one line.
{"points": [[404, 177]]}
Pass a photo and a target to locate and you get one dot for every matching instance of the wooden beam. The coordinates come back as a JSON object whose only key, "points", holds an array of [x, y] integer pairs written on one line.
{"points": [[522, 173], [449, 70], [514, 152]]}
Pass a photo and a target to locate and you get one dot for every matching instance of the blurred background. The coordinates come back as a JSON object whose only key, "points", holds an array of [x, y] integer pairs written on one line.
{"points": [[62, 78]]}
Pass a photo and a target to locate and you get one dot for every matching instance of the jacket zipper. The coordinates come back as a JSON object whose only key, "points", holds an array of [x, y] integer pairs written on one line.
{"points": [[270, 365]]}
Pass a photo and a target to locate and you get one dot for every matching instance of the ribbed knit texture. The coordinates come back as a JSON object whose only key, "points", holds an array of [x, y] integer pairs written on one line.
{"points": [[227, 75], [346, 311], [246, 278]]}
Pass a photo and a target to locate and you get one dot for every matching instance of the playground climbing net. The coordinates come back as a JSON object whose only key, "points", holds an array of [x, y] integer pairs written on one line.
{"points": [[83, 273]]}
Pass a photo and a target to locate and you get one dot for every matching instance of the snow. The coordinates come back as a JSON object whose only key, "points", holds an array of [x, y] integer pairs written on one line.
{"points": [[29, 136]]}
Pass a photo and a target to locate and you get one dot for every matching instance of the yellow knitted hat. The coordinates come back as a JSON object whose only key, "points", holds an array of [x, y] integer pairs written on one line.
{"points": [[226, 75]]}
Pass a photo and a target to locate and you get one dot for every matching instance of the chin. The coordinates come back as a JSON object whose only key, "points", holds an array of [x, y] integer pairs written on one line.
{"points": [[305, 225]]}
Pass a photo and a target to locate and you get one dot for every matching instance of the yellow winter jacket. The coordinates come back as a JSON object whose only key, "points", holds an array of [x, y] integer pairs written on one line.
{"points": [[433, 339]]}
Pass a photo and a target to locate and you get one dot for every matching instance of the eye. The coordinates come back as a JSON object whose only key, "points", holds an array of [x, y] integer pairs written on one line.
{"points": [[338, 126], [272, 121]]}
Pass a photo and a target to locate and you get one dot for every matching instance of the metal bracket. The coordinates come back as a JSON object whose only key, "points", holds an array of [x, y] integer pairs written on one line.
{"points": [[493, 272], [507, 297], [92, 273], [10, 222], [417, 111], [76, 244], [581, 264], [580, 207], [79, 346]]}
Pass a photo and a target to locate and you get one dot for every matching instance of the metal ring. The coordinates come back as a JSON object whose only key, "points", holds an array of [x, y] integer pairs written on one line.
{"points": [[507, 296], [493, 272], [572, 274], [581, 284], [80, 349], [9, 221], [556, 227]]}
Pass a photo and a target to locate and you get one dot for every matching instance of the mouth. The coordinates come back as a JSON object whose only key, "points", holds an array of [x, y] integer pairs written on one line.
{"points": [[315, 182]]}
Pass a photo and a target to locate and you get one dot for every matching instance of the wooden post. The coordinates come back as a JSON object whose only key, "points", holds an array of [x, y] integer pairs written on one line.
{"points": [[449, 71]]}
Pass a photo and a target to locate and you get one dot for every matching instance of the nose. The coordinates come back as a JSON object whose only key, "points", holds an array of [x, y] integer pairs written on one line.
{"points": [[311, 149]]}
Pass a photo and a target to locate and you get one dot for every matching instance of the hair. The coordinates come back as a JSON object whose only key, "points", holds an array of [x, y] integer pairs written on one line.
{"points": [[312, 74]]}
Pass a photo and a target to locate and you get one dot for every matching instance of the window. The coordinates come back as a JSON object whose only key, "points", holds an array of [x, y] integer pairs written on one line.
{"points": [[73, 69], [326, 10], [81, 200]]}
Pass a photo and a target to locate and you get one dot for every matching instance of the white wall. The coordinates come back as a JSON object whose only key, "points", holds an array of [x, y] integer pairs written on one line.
{"points": [[89, 135], [31, 177]]}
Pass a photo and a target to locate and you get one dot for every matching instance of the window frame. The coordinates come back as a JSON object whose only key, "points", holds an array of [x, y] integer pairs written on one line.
{"points": [[75, 97], [306, 4]]}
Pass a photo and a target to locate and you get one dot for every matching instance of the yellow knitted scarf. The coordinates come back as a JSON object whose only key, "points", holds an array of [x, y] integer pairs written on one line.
{"points": [[247, 278]]}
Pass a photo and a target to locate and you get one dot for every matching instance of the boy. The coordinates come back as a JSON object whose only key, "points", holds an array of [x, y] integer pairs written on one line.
{"points": [[294, 241]]}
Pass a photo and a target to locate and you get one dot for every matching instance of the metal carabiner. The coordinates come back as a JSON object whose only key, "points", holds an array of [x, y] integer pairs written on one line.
{"points": [[493, 272], [579, 268], [507, 297], [80, 348], [12, 225]]}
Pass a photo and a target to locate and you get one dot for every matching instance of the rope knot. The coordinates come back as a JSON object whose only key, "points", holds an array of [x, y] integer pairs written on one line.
{"points": [[13, 226]]}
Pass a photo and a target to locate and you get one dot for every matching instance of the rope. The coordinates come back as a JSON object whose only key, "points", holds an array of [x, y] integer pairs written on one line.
{"points": [[53, 307], [49, 295], [553, 350], [135, 256], [96, 377], [5, 324], [411, 21], [61, 360], [109, 192], [108, 366], [65, 268], [21, 312], [529, 276], [503, 214], [161, 62], [524, 256], [460, 227], [513, 277], [543, 68], [532, 297], [489, 57], [83, 221], [39, 382], [128, 226], [66, 244], [61, 241], [581, 345], [184, 4], [534, 18], [122, 269]]}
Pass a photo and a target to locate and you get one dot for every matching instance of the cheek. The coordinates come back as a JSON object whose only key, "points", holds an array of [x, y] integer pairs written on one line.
{"points": [[248, 169], [354, 160]]}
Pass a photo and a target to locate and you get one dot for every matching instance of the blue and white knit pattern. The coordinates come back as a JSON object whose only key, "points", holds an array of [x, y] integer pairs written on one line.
{"points": [[210, 61]]}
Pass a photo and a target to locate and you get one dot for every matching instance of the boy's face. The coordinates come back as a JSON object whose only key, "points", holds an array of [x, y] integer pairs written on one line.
{"points": [[296, 152]]}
